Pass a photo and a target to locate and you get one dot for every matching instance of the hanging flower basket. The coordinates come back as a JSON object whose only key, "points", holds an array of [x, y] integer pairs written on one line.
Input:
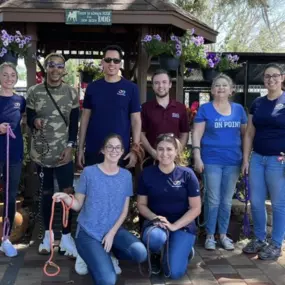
{"points": [[209, 74], [168, 62], [86, 77], [9, 57], [232, 73]]}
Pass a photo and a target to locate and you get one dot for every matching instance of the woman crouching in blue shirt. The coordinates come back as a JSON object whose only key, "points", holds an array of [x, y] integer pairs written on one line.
{"points": [[12, 107], [217, 146], [265, 140], [103, 196], [169, 198]]}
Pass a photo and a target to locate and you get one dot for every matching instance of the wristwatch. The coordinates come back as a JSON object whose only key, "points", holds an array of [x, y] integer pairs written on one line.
{"points": [[71, 144]]}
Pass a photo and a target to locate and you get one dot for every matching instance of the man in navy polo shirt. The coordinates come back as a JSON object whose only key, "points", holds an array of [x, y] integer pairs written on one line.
{"points": [[111, 105], [162, 115]]}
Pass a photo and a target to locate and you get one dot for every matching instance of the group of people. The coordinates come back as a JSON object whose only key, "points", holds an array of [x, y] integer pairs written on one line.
{"points": [[227, 143], [112, 126]]}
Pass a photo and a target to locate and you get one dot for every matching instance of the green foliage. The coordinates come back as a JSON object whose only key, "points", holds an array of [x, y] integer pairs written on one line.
{"points": [[91, 68], [228, 62]]}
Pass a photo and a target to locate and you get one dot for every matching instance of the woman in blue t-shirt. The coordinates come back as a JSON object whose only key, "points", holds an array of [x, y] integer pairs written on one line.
{"points": [[265, 141], [169, 199], [103, 196], [217, 147], [12, 107]]}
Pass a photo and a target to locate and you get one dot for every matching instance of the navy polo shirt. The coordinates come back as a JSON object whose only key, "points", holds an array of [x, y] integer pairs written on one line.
{"points": [[168, 194], [269, 122], [11, 109], [111, 105], [158, 120]]}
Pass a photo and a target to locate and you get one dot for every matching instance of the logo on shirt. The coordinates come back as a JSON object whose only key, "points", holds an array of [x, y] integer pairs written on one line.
{"points": [[121, 92], [17, 105], [174, 184], [175, 115], [279, 106]]}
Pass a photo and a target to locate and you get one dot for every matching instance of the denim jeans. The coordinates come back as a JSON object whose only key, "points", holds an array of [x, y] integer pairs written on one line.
{"points": [[64, 175], [125, 246], [180, 247], [220, 186], [15, 170], [267, 175]]}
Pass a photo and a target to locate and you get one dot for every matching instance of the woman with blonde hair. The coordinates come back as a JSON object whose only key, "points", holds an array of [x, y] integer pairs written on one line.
{"points": [[217, 147], [169, 200], [12, 107]]}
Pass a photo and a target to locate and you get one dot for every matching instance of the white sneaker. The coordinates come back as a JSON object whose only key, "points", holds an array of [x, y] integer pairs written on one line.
{"points": [[44, 247], [67, 244], [227, 243], [8, 248], [210, 243], [115, 261], [80, 266]]}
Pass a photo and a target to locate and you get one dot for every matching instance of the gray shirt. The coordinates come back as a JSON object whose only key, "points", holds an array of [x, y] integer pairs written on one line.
{"points": [[104, 201]]}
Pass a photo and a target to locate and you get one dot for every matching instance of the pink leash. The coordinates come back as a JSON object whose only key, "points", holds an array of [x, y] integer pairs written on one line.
{"points": [[6, 225]]}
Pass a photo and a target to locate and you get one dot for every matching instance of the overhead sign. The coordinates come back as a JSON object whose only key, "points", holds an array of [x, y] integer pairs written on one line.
{"points": [[88, 17]]}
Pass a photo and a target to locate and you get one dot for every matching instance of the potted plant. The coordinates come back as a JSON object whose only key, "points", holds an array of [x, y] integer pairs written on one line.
{"points": [[168, 52], [210, 71], [193, 50], [13, 46], [229, 65], [89, 71]]}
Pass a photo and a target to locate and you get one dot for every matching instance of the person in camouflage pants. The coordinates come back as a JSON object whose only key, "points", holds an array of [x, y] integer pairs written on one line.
{"points": [[54, 136]]}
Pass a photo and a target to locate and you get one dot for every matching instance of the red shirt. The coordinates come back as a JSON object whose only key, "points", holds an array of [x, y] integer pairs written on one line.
{"points": [[157, 120]]}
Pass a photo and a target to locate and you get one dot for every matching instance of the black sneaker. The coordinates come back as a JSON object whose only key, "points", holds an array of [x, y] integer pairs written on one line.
{"points": [[254, 246], [155, 263], [270, 252]]}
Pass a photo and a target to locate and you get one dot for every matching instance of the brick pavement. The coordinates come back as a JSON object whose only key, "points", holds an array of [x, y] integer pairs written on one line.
{"points": [[207, 268]]}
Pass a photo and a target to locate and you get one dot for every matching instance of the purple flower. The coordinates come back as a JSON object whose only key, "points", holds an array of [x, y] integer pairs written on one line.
{"points": [[5, 43], [4, 50], [21, 45], [178, 53], [17, 39], [147, 38], [174, 38], [19, 33], [178, 46], [192, 31], [1, 54], [11, 38], [235, 57], [157, 37], [211, 63], [4, 32]]}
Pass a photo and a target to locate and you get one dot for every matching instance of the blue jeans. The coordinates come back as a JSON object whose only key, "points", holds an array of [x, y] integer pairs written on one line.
{"points": [[220, 186], [180, 247], [267, 175], [15, 170], [125, 246]]}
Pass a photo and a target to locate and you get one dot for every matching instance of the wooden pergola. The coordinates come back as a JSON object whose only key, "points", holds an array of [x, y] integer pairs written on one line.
{"points": [[48, 23]]}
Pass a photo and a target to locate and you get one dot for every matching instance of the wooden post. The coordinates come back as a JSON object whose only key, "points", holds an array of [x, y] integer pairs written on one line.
{"points": [[30, 62], [180, 83], [142, 65]]}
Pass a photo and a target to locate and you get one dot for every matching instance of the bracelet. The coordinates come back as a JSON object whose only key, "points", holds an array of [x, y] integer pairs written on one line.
{"points": [[195, 147]]}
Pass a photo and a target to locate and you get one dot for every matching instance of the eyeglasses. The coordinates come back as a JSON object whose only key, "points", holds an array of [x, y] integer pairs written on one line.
{"points": [[115, 60], [275, 76], [111, 148], [167, 135], [52, 64]]}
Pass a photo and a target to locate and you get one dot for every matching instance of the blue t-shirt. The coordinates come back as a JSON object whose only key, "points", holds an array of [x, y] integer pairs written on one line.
{"points": [[269, 122], [111, 105], [168, 194], [221, 143], [11, 109], [105, 199]]}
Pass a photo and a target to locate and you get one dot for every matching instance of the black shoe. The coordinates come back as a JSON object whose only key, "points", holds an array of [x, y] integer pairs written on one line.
{"points": [[155, 264]]}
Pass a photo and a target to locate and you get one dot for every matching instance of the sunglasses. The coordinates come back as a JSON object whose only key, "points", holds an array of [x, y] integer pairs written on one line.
{"points": [[52, 64], [164, 136], [109, 59]]}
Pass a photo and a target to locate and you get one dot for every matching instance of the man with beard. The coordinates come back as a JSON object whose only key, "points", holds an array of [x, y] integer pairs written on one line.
{"points": [[52, 115], [162, 115]]}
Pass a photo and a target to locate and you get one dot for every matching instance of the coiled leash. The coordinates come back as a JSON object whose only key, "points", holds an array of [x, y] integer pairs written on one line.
{"points": [[151, 226], [65, 214], [138, 150], [244, 198], [6, 224]]}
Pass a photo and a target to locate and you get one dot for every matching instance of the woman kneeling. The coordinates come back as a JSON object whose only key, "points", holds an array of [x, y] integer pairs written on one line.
{"points": [[103, 196], [169, 200]]}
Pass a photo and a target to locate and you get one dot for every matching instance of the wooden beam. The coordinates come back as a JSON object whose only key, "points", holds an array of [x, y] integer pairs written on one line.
{"points": [[31, 30], [142, 65], [180, 83]]}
